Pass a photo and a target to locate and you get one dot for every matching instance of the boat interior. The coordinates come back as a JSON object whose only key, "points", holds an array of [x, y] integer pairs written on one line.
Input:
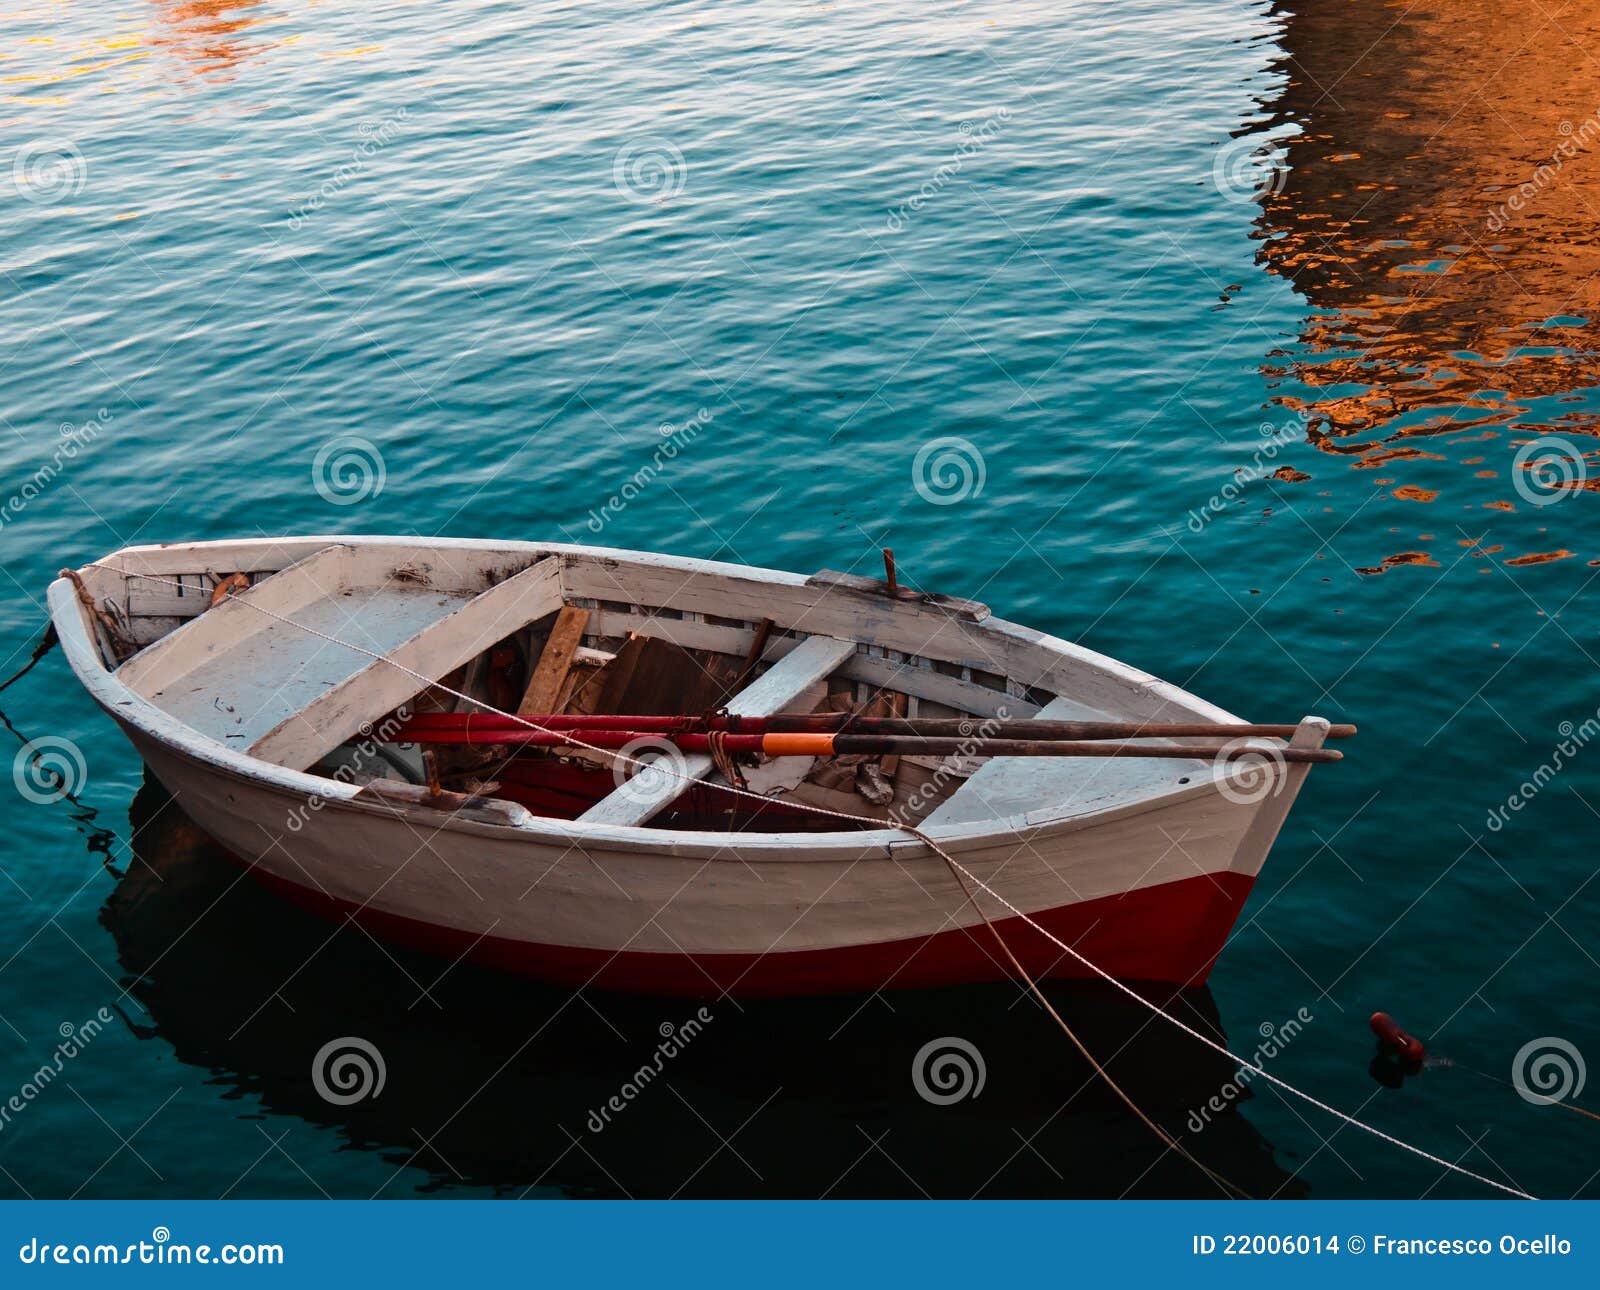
{"points": [[313, 658]]}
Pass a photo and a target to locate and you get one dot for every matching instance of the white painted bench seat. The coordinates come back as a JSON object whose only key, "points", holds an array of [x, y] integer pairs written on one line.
{"points": [[813, 660], [1011, 786], [288, 696]]}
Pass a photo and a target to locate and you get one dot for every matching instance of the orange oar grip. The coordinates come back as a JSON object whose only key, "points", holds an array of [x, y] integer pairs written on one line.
{"points": [[804, 745]]}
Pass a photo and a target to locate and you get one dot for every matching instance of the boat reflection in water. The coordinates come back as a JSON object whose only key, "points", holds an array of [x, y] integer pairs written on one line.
{"points": [[1437, 211], [511, 1084]]}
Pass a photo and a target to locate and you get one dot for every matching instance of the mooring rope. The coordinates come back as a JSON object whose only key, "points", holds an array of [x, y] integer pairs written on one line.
{"points": [[1172, 1144], [46, 643], [1527, 1094], [961, 872]]}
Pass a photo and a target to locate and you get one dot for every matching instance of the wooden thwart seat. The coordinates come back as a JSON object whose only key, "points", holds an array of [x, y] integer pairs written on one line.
{"points": [[267, 671], [813, 660], [342, 711]]}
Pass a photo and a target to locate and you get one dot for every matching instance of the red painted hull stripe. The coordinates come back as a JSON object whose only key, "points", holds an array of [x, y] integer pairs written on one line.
{"points": [[1171, 934]]}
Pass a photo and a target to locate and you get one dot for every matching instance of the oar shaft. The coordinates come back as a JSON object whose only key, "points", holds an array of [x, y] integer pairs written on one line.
{"points": [[485, 721], [823, 745], [826, 744], [1025, 727], [843, 723]]}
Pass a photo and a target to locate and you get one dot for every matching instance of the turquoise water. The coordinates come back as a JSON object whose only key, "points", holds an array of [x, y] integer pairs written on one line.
{"points": [[272, 268]]}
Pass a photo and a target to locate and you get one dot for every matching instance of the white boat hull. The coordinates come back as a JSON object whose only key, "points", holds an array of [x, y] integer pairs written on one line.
{"points": [[1143, 868], [1149, 895]]}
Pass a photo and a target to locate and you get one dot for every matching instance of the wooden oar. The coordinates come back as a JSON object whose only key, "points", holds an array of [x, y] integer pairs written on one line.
{"points": [[1023, 727], [827, 745], [843, 722], [822, 744]]}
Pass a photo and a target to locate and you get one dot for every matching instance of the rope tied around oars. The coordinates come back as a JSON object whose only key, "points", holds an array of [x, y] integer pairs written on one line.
{"points": [[724, 761], [957, 869]]}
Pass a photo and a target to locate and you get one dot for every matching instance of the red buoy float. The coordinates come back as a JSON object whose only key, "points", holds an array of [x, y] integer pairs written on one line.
{"points": [[1390, 1035]]}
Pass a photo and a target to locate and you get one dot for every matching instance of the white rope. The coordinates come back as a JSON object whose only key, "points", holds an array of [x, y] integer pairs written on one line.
{"points": [[568, 737], [1226, 1052]]}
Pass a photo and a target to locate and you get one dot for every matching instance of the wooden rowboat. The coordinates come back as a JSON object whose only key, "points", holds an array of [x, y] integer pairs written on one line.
{"points": [[279, 689]]}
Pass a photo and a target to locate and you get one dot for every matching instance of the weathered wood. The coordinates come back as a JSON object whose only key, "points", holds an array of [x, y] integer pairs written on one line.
{"points": [[177, 581], [914, 676], [883, 588], [752, 656], [1098, 685], [583, 684], [656, 677], [363, 696], [812, 660], [897, 710], [490, 810], [555, 661], [236, 619]]}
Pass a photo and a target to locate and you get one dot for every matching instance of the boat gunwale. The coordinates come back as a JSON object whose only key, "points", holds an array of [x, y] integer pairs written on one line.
{"points": [[129, 708]]}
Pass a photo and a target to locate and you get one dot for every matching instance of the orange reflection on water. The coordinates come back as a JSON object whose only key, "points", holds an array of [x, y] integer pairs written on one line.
{"points": [[210, 36], [1439, 212]]}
